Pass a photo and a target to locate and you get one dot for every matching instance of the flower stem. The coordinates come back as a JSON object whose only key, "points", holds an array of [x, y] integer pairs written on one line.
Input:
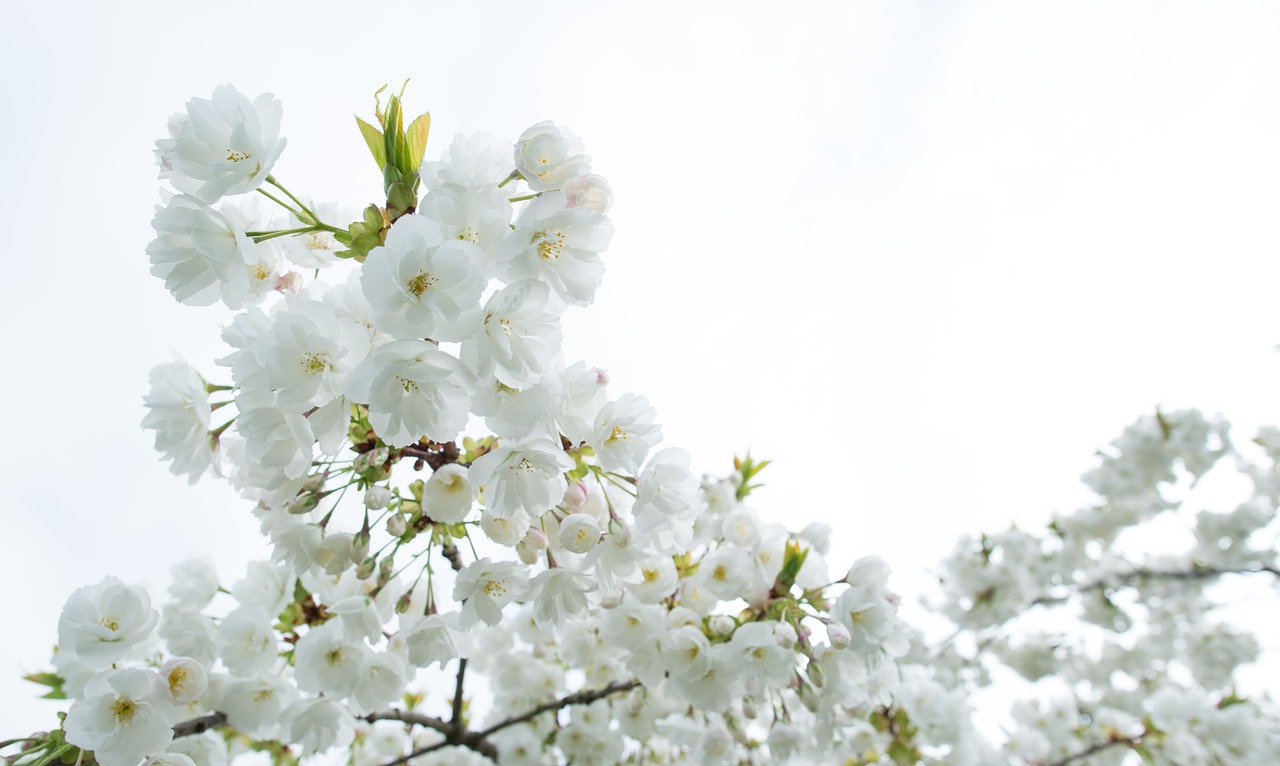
{"points": [[312, 216], [279, 202]]}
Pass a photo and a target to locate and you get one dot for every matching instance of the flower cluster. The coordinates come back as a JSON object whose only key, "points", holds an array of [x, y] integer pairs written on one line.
{"points": [[556, 585]]}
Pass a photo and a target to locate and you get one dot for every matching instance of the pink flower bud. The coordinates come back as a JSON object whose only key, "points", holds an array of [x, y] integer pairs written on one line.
{"points": [[290, 283], [575, 497]]}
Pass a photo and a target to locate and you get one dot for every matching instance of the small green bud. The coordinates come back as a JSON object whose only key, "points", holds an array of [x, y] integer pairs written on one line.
{"points": [[304, 504]]}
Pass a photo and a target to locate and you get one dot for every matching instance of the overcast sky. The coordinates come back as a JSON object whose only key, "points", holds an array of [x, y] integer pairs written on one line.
{"points": [[926, 256]]}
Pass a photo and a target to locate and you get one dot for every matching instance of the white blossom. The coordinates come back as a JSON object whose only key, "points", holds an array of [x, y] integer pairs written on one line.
{"points": [[124, 716], [421, 284], [201, 256], [548, 155], [487, 587], [448, 494], [224, 145], [413, 390], [178, 410], [624, 433], [102, 623], [518, 337], [558, 245], [525, 477]]}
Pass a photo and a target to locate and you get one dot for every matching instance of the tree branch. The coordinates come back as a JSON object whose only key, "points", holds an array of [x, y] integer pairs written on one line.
{"points": [[584, 697], [456, 720], [1138, 575], [477, 740], [408, 716], [199, 725], [1098, 747]]}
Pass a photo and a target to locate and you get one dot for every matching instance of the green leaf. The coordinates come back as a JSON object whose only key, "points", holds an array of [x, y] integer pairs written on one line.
{"points": [[392, 132], [792, 561], [373, 139], [416, 139], [51, 680], [373, 217]]}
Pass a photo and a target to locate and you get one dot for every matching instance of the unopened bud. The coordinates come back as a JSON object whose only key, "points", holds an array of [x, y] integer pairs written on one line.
{"points": [[404, 602], [304, 504], [365, 570], [288, 283], [721, 624], [809, 698], [786, 634], [816, 674], [386, 567], [377, 497], [588, 190], [748, 708], [315, 483], [360, 546], [839, 635], [395, 525], [575, 497]]}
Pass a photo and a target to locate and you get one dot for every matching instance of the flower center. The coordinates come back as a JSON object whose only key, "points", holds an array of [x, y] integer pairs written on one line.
{"points": [[617, 434], [550, 244], [495, 588], [313, 364], [234, 156], [124, 709], [109, 623], [176, 677], [421, 283]]}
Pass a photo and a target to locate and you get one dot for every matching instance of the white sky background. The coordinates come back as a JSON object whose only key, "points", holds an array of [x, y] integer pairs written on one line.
{"points": [[926, 256]]}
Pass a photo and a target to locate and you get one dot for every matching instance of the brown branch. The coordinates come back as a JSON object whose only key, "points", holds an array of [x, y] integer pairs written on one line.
{"points": [[408, 716], [477, 740], [456, 720], [199, 725], [1139, 575], [1098, 747], [584, 697], [450, 552]]}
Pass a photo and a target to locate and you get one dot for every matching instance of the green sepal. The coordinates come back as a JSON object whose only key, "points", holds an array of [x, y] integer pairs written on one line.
{"points": [[400, 198], [391, 175]]}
